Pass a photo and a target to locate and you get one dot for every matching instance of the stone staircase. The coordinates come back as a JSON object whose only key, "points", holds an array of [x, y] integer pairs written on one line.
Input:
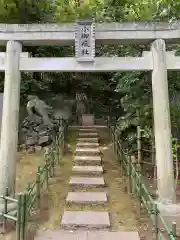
{"points": [[87, 172], [87, 165]]}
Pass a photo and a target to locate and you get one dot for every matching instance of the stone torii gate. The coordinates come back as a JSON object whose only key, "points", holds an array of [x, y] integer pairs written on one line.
{"points": [[157, 60]]}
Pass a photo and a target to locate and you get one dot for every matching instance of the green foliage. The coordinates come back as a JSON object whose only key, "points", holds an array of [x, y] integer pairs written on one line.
{"points": [[175, 146]]}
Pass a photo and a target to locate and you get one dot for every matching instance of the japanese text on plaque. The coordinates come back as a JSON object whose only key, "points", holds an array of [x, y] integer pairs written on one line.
{"points": [[85, 43]]}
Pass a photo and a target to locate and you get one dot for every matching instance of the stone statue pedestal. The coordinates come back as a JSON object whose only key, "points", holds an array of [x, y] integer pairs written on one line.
{"points": [[88, 119]]}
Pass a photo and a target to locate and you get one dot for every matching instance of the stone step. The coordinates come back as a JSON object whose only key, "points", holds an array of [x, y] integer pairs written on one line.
{"points": [[89, 220], [87, 150], [104, 235], [86, 197], [88, 134], [87, 181], [90, 139], [86, 235], [88, 130], [89, 126], [87, 169], [87, 144], [87, 159]]}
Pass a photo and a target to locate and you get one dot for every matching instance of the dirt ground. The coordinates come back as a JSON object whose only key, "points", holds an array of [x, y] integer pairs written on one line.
{"points": [[26, 169], [123, 208]]}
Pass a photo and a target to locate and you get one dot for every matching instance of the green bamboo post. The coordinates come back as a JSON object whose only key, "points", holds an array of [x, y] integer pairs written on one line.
{"points": [[58, 149], [38, 186], [116, 144], [140, 192], [18, 223], [114, 140], [125, 164], [108, 125], [53, 161], [50, 162], [129, 174], [107, 120], [122, 159], [5, 208], [119, 154], [29, 195], [56, 144], [46, 171], [139, 147], [155, 221], [59, 143], [59, 122], [133, 161], [110, 136], [23, 217], [63, 140], [174, 230], [115, 147]]}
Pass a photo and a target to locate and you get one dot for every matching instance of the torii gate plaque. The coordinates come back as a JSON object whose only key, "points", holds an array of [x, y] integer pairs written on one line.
{"points": [[85, 41]]}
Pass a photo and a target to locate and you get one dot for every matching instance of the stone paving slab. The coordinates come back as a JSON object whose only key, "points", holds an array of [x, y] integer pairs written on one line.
{"points": [[86, 235], [61, 235], [87, 150], [86, 197], [87, 169], [90, 139], [101, 235], [87, 181], [87, 144], [85, 219]]}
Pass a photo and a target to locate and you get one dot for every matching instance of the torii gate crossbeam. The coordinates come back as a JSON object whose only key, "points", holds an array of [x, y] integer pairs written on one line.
{"points": [[106, 33]]}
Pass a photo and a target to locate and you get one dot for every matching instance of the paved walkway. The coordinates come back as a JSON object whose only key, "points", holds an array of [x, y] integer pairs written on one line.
{"points": [[87, 172]]}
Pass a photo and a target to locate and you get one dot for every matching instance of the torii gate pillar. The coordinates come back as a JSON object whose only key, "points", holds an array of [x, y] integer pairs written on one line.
{"points": [[162, 124], [10, 117]]}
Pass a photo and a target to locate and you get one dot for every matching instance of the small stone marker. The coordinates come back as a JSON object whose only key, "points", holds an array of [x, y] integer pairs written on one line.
{"points": [[87, 181], [86, 197], [87, 169], [98, 220]]}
